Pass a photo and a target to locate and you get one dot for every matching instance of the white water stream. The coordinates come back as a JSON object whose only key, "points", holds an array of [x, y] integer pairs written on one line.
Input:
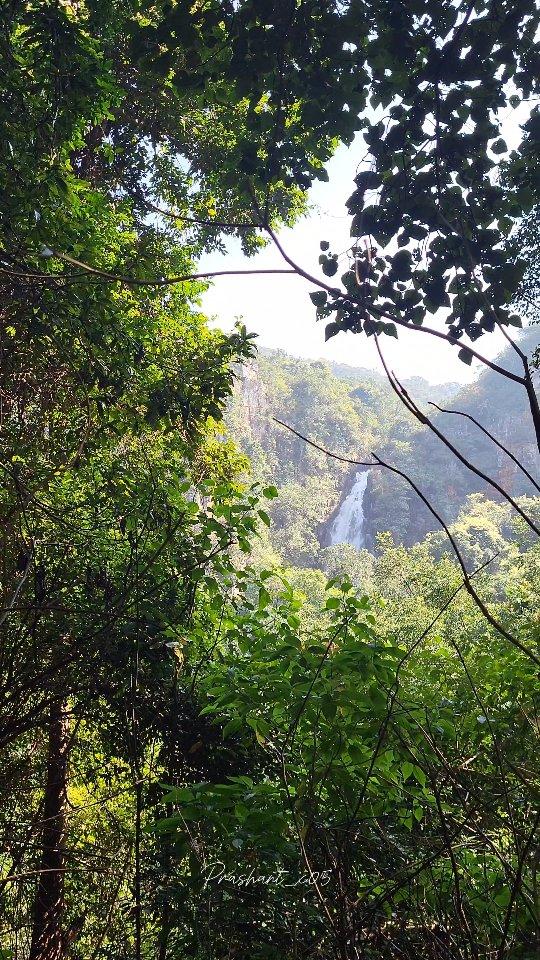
{"points": [[348, 526]]}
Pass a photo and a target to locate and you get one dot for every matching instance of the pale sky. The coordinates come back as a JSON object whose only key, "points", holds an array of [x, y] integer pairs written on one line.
{"points": [[278, 308]]}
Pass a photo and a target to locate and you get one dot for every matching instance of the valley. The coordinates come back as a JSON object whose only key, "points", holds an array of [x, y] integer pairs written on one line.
{"points": [[352, 412]]}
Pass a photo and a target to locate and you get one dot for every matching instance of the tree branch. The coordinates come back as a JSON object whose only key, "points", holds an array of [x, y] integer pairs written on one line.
{"points": [[461, 413], [335, 292]]}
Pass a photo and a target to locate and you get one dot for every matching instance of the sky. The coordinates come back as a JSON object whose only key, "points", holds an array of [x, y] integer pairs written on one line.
{"points": [[278, 308]]}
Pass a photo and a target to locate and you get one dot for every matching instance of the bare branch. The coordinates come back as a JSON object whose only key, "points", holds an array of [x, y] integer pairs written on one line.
{"points": [[133, 281], [335, 292], [403, 395], [461, 413]]}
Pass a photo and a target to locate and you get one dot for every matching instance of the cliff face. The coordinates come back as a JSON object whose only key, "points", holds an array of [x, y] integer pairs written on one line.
{"points": [[348, 416], [354, 412], [501, 407], [252, 399]]}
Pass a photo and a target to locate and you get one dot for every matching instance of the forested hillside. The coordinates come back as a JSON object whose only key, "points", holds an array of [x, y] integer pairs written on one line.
{"points": [[352, 412], [498, 406], [349, 415]]}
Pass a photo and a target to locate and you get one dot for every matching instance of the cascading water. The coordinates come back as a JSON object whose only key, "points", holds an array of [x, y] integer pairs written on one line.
{"points": [[348, 526]]}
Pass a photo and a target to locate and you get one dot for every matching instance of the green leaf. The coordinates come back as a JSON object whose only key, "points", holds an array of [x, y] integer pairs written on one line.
{"points": [[232, 726], [401, 264], [332, 603], [330, 267], [331, 330], [406, 770], [256, 725], [419, 776], [502, 899], [329, 707], [264, 598], [318, 297]]}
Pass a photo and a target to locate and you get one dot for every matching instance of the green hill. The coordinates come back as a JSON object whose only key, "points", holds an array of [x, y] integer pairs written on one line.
{"points": [[500, 406], [352, 411]]}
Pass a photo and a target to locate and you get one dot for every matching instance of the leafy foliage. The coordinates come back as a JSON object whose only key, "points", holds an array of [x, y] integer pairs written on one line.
{"points": [[163, 701], [431, 215], [378, 751]]}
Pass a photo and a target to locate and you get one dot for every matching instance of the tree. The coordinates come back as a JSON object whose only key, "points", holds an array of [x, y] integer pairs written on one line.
{"points": [[135, 137], [125, 131], [436, 199], [431, 221]]}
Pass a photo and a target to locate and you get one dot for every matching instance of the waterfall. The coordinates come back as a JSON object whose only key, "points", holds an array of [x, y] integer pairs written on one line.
{"points": [[349, 522]]}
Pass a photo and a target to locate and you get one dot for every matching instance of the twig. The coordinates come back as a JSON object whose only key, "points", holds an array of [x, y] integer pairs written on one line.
{"points": [[136, 281], [413, 407], [461, 413]]}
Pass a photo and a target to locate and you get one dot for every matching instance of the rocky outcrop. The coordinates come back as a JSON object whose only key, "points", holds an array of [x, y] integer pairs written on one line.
{"points": [[252, 399]]}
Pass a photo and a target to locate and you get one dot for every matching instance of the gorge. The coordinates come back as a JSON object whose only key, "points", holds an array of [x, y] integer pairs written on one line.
{"points": [[351, 411]]}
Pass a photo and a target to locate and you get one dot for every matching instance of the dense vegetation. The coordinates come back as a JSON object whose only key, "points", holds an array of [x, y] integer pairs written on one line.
{"points": [[201, 754]]}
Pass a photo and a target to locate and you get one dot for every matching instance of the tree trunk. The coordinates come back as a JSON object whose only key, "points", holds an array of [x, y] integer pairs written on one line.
{"points": [[47, 938]]}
